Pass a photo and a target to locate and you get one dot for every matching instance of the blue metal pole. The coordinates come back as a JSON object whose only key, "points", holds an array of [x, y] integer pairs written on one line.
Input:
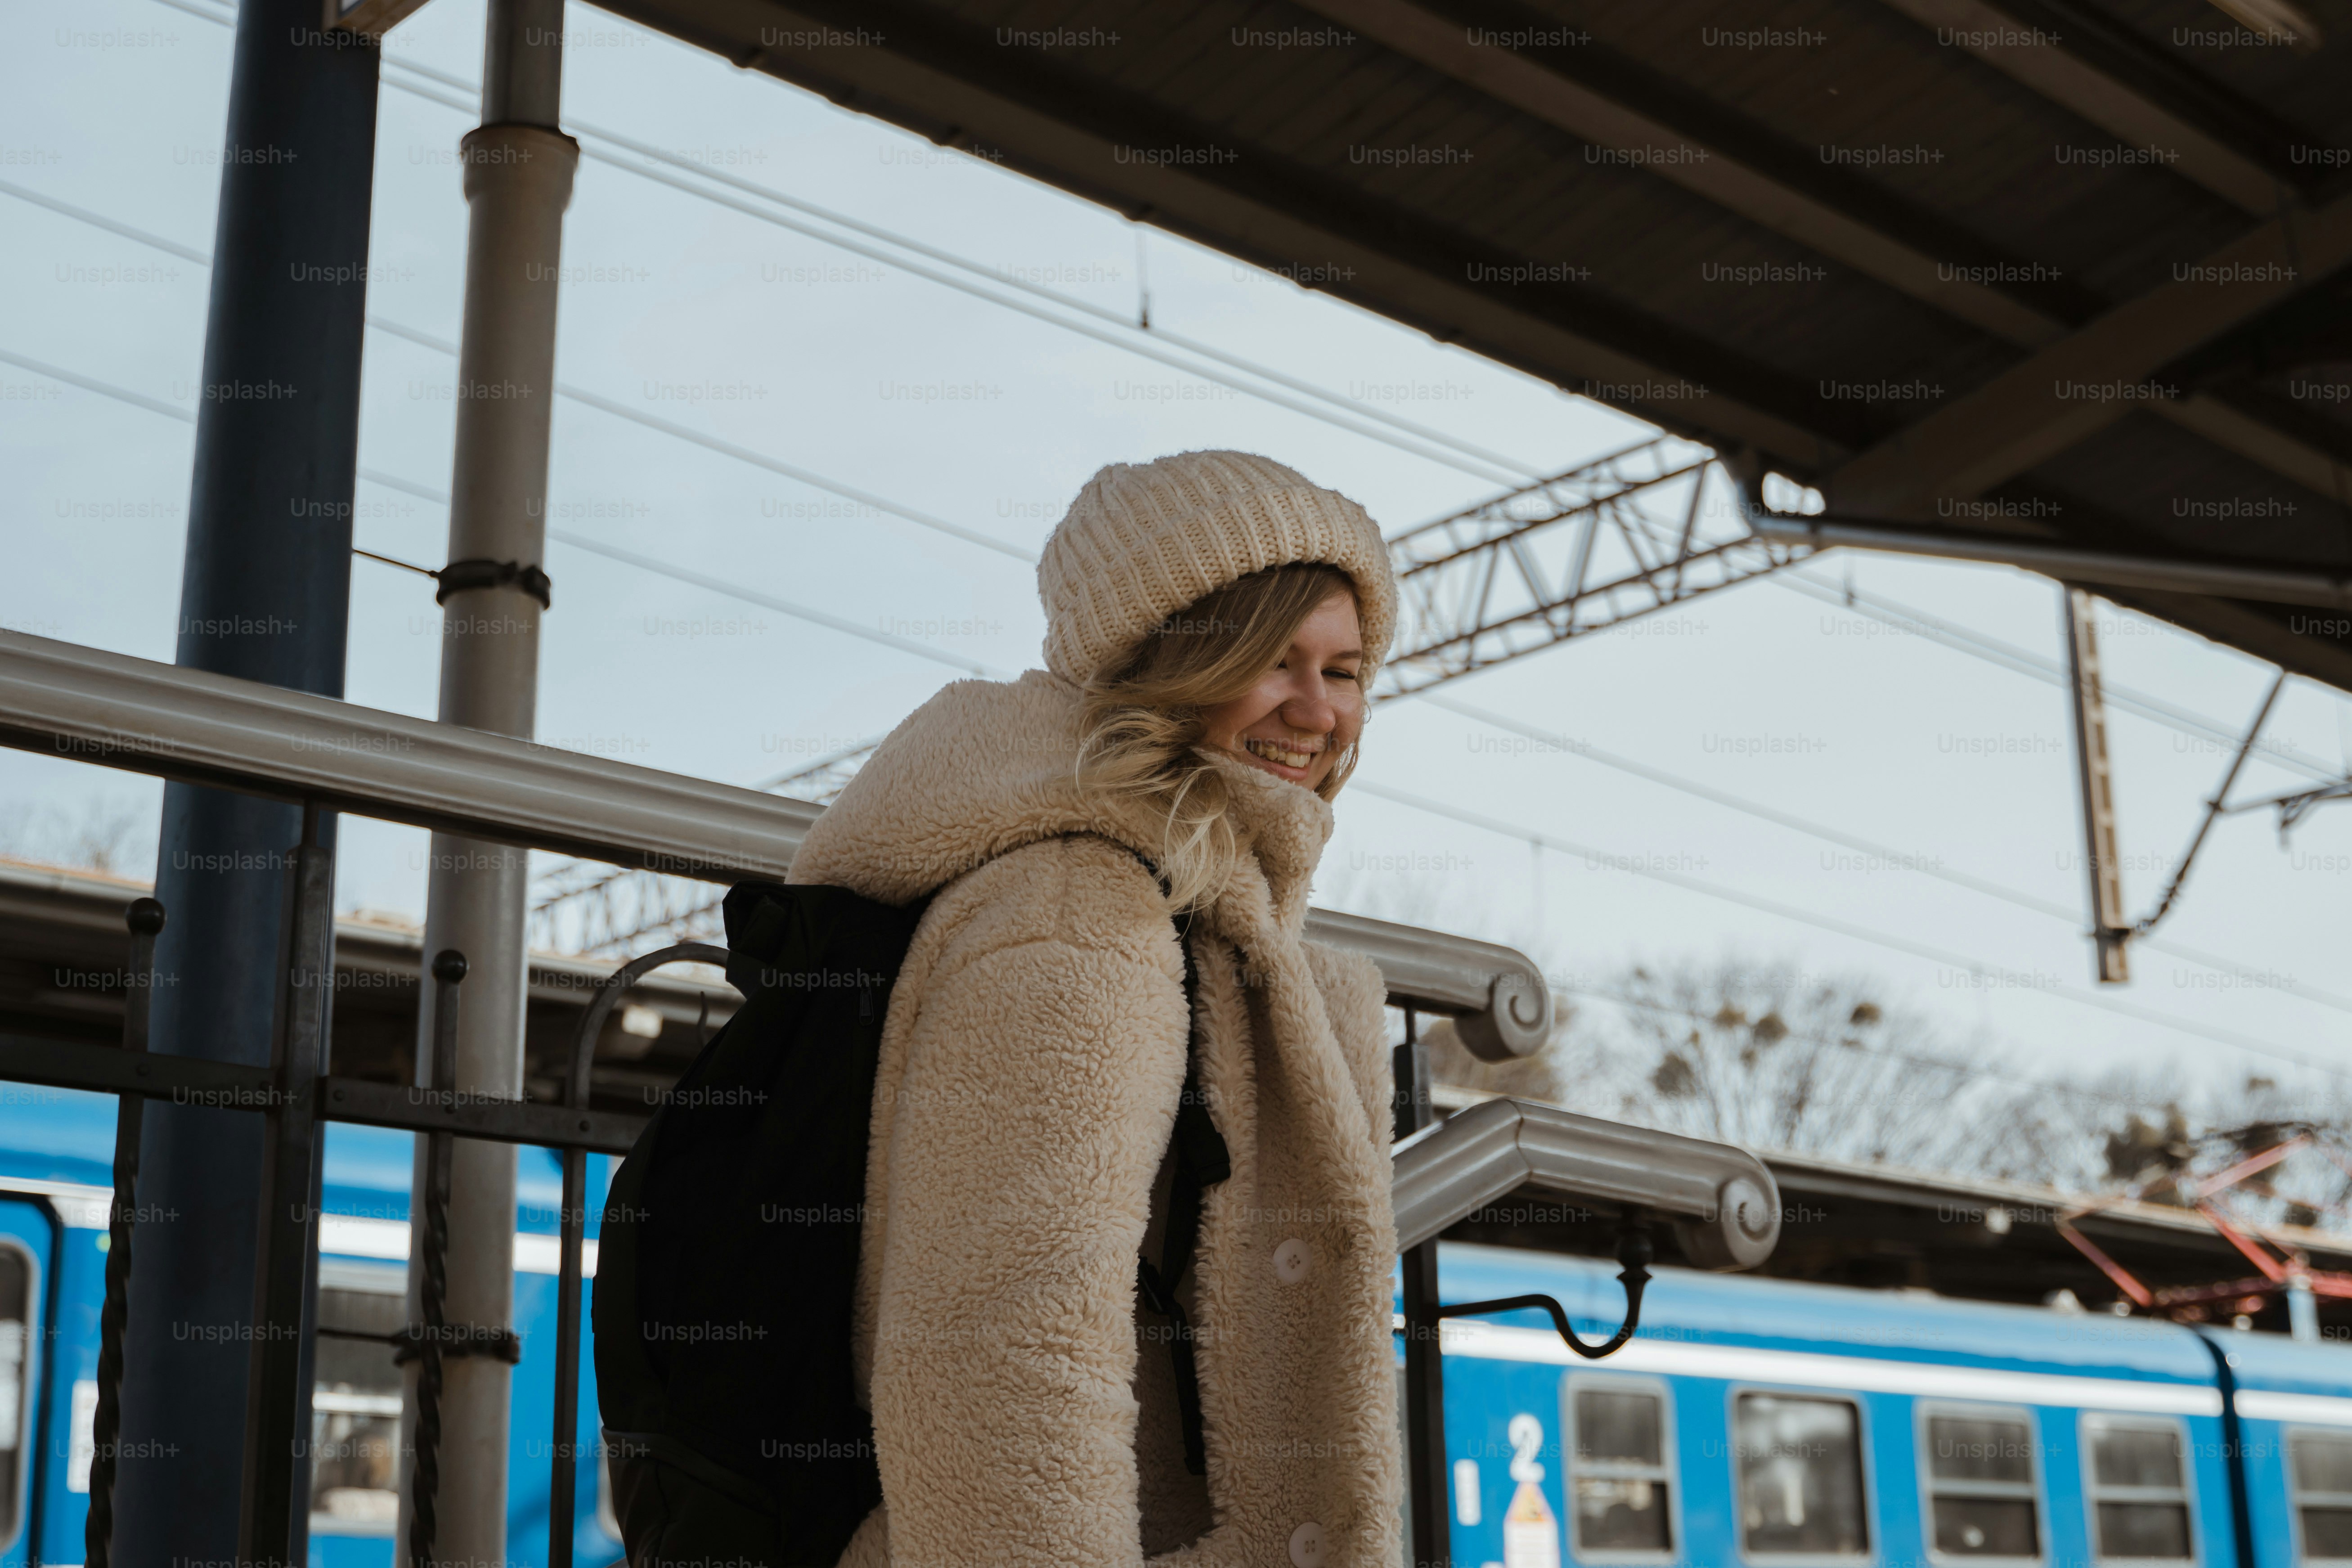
{"points": [[264, 596]]}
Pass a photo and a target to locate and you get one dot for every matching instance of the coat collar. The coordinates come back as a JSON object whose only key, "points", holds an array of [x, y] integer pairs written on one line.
{"points": [[985, 767], [1287, 826]]}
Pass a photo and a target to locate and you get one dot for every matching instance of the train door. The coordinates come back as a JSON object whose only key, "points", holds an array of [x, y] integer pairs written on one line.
{"points": [[27, 1242], [1504, 1442]]}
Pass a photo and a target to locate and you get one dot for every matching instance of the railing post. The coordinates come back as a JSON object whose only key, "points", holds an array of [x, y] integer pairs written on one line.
{"points": [[430, 1335], [274, 1526], [145, 919], [1424, 1361]]}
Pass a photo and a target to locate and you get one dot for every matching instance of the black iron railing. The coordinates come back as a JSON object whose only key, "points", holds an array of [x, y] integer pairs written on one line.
{"points": [[295, 1098]]}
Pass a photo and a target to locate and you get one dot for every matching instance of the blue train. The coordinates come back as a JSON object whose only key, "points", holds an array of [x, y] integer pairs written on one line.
{"points": [[1752, 1422], [1765, 1421]]}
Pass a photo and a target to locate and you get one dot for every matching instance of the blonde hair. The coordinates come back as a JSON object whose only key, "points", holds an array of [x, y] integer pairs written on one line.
{"points": [[1143, 716]]}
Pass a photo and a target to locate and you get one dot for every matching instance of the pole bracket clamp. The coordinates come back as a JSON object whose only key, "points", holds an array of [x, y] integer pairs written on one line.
{"points": [[460, 575]]}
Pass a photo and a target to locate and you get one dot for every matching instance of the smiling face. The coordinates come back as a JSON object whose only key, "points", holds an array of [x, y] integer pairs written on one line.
{"points": [[1304, 714]]}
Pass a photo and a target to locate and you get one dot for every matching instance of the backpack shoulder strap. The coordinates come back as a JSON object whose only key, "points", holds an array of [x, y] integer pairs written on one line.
{"points": [[1202, 1160], [1201, 1149]]}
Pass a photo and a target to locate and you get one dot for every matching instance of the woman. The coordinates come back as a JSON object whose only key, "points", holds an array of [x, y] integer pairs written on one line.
{"points": [[1213, 623]]}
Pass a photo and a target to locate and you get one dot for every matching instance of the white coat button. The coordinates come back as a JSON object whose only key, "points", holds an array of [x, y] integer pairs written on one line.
{"points": [[1291, 1261], [1306, 1545]]}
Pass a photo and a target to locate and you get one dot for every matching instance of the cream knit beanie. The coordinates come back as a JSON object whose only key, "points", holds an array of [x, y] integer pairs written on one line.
{"points": [[1145, 539]]}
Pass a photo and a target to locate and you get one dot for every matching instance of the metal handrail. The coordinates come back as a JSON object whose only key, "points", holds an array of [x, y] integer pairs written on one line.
{"points": [[1725, 1206], [190, 724], [93, 706], [1500, 1003]]}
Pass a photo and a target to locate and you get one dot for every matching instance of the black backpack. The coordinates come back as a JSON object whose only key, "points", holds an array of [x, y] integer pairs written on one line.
{"points": [[728, 1252]]}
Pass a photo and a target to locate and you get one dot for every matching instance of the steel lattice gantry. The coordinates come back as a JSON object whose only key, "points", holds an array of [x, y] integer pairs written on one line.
{"points": [[1634, 532]]}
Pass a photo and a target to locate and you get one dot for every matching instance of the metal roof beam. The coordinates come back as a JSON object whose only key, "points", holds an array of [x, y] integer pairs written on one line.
{"points": [[2083, 383], [2163, 109], [1584, 93], [1576, 89], [2065, 562]]}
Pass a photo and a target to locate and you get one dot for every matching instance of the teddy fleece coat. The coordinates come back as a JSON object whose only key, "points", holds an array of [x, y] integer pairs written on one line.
{"points": [[1030, 1067]]}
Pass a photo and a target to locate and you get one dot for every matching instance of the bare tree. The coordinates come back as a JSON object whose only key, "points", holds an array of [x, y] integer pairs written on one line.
{"points": [[105, 834], [1775, 1058], [2184, 1130]]}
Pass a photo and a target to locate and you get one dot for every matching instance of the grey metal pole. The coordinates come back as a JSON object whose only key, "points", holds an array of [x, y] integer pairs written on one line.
{"points": [[264, 596], [518, 169]]}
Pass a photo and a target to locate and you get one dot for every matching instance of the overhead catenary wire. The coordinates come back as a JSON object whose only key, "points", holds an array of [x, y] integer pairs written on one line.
{"points": [[579, 394], [2024, 661], [1404, 434], [1963, 961], [768, 601], [2214, 807], [104, 389], [1477, 468], [578, 541], [696, 579], [1906, 859], [98, 220], [597, 401], [1512, 470]]}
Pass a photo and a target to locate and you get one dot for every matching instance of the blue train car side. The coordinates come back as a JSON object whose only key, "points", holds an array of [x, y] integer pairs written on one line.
{"points": [[55, 1150], [1753, 1424], [2295, 1434], [1769, 1423]]}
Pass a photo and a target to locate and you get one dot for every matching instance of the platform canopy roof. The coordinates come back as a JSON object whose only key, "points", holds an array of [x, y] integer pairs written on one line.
{"points": [[2063, 269]]}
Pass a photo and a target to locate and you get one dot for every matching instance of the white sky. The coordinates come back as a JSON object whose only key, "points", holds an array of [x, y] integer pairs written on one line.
{"points": [[991, 419]]}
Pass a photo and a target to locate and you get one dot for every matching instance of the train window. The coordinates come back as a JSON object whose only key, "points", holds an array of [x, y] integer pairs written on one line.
{"points": [[2140, 1488], [2322, 1469], [355, 1405], [15, 1311], [1980, 1471], [1621, 1469], [1800, 1464]]}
